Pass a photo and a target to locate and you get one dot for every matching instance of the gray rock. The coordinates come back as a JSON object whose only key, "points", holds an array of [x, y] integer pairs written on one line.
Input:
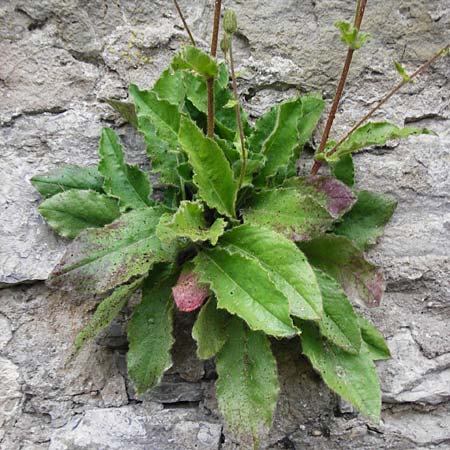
{"points": [[136, 428]]}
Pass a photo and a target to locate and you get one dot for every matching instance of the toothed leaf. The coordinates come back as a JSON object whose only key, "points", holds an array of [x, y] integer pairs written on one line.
{"points": [[105, 313], [247, 386], [129, 184], [189, 222], [338, 256], [68, 177], [288, 212], [365, 223], [150, 334], [353, 377], [212, 173], [71, 212], [339, 323], [210, 330], [285, 263], [244, 288], [101, 259]]}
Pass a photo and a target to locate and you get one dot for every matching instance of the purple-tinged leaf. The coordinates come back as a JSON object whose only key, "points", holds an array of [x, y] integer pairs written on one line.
{"points": [[330, 193], [338, 256]]}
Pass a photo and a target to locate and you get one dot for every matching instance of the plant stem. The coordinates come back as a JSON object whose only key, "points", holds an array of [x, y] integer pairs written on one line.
{"points": [[360, 8], [388, 96], [237, 108], [210, 81], [186, 26]]}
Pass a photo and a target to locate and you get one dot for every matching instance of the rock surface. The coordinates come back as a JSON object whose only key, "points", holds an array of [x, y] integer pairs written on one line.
{"points": [[59, 61]]}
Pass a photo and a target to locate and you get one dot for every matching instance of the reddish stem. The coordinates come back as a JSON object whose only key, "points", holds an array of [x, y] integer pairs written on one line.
{"points": [[361, 7]]}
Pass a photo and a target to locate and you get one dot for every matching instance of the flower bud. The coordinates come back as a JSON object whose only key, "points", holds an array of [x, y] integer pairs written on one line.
{"points": [[225, 43], [229, 21]]}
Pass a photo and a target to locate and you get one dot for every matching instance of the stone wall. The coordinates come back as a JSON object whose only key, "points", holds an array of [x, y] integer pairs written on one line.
{"points": [[59, 61]]}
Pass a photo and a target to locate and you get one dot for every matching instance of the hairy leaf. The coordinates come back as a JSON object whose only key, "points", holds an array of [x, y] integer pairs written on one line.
{"points": [[224, 118], [212, 173], [169, 87], [353, 377], [288, 212], [401, 70], [339, 323], [150, 334], [125, 109], [189, 222], [286, 264], [244, 288], [129, 184], [101, 259], [365, 223], [374, 341], [192, 58], [344, 170], [247, 387], [210, 330], [278, 141], [374, 133], [71, 212], [331, 194], [351, 36], [68, 177], [159, 122], [337, 256], [105, 313]]}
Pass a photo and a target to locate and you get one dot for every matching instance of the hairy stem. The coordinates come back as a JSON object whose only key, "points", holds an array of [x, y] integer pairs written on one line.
{"points": [[423, 67], [186, 26], [237, 108], [359, 14], [210, 81]]}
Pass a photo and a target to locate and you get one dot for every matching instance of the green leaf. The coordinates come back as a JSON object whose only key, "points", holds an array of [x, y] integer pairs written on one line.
{"points": [[247, 386], [374, 341], [105, 313], [344, 170], [365, 223], [353, 377], [351, 36], [150, 334], [127, 183], [101, 259], [286, 264], [401, 70], [224, 118], [159, 122], [192, 58], [212, 173], [244, 288], [125, 109], [331, 194], [189, 222], [288, 212], [339, 323], [210, 330], [374, 133], [312, 109], [68, 177], [337, 256], [170, 87], [71, 212], [276, 137]]}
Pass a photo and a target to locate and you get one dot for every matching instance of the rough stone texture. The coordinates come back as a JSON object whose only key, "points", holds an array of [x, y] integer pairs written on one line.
{"points": [[59, 61]]}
